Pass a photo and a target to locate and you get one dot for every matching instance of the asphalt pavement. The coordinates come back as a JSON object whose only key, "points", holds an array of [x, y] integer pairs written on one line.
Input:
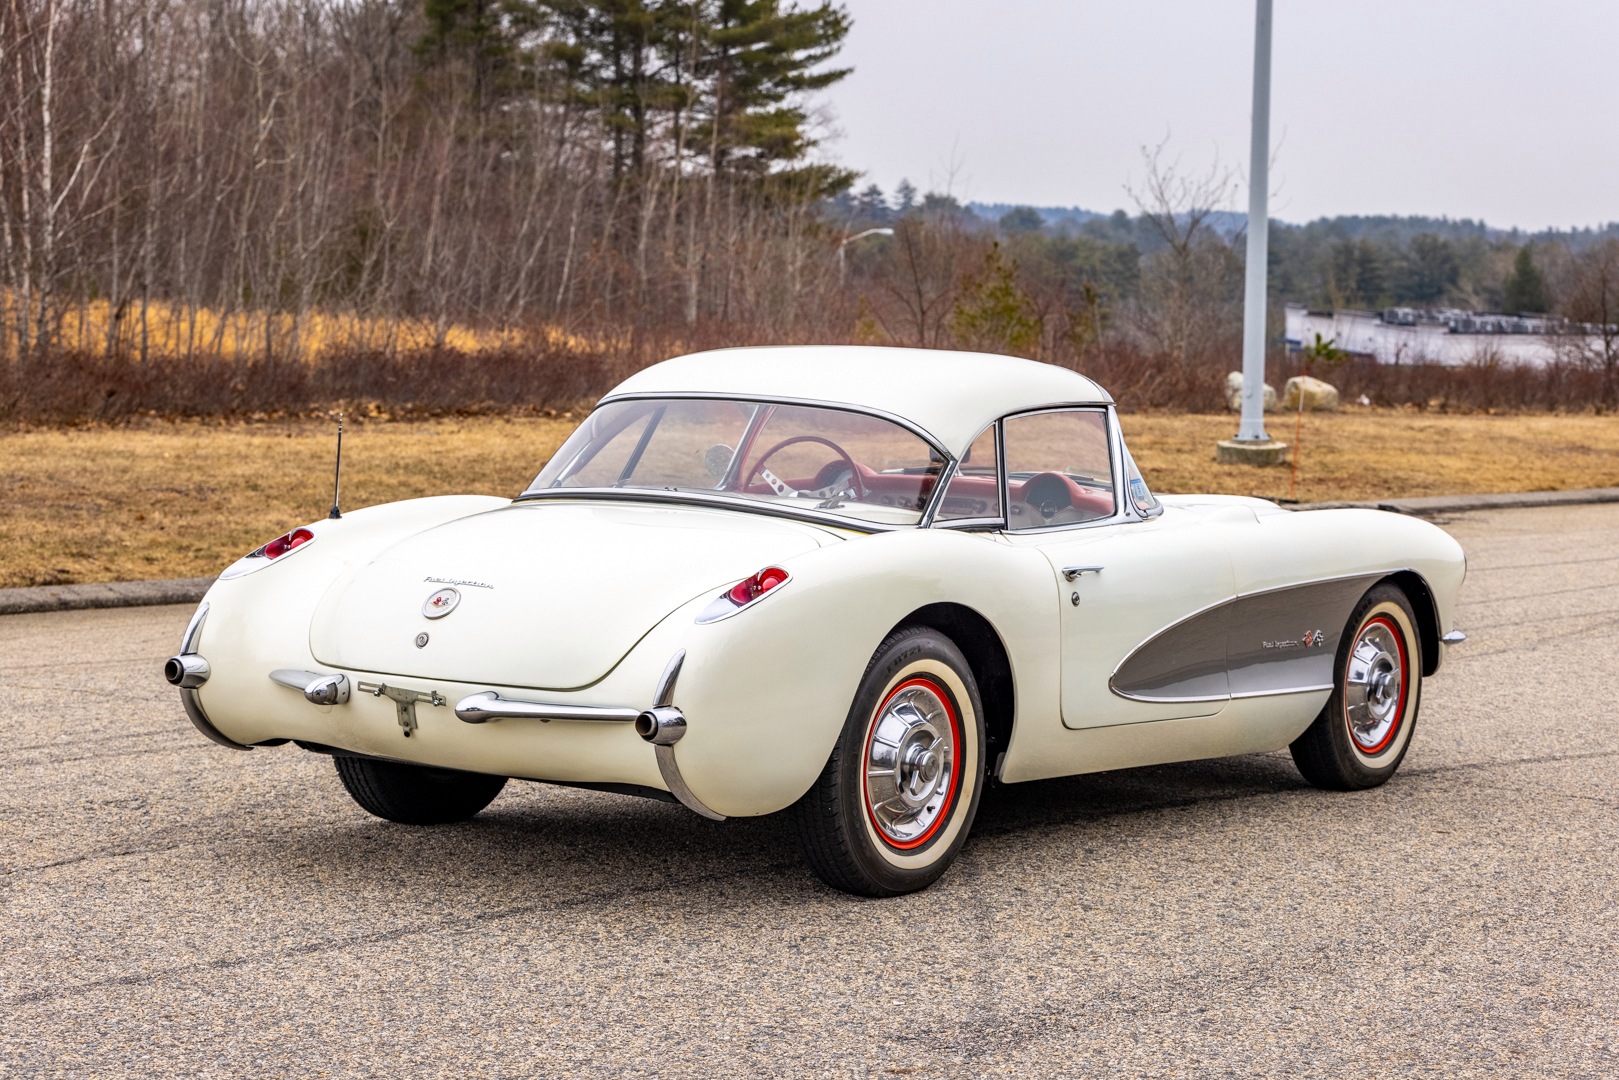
{"points": [[169, 907]]}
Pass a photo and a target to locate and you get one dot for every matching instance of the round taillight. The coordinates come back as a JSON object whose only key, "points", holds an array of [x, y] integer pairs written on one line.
{"points": [[283, 544], [750, 589]]}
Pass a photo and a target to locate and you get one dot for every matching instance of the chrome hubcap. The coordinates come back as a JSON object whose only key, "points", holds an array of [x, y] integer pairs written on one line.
{"points": [[910, 764], [1375, 687]]}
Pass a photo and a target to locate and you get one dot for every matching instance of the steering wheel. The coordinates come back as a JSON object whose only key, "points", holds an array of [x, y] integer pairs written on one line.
{"points": [[1048, 493], [854, 470]]}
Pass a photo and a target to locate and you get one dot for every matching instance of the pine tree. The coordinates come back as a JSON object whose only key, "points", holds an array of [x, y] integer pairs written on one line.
{"points": [[1525, 287], [759, 62], [904, 198]]}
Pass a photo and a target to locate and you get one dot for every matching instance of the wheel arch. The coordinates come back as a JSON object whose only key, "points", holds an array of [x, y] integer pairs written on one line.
{"points": [[1426, 608], [991, 666]]}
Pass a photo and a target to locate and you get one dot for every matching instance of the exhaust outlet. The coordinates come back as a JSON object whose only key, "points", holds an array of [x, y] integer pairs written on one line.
{"points": [[661, 725], [187, 672]]}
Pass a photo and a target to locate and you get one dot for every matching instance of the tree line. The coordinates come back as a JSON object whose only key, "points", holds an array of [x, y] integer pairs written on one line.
{"points": [[238, 165]]}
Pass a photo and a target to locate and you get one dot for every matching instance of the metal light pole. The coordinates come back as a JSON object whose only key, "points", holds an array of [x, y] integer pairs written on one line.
{"points": [[847, 240], [1253, 445]]}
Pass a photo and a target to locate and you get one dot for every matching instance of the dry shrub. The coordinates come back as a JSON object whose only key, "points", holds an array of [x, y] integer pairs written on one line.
{"points": [[80, 387], [1481, 387]]}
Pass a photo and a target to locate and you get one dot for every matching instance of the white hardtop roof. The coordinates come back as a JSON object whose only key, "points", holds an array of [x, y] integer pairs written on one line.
{"points": [[950, 395]]}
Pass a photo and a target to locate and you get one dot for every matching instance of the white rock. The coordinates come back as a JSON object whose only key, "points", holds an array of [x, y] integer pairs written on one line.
{"points": [[1318, 396], [1233, 393]]}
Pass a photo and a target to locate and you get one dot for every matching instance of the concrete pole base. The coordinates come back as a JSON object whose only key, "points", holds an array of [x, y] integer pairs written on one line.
{"points": [[1234, 452]]}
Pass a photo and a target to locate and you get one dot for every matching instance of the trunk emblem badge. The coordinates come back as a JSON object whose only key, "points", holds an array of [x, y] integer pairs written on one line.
{"points": [[441, 603]]}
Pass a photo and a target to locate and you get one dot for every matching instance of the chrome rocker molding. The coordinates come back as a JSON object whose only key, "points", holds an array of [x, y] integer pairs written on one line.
{"points": [[319, 689], [189, 671]]}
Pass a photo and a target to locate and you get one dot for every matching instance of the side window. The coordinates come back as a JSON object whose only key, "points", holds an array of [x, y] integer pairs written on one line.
{"points": [[1059, 470], [975, 489]]}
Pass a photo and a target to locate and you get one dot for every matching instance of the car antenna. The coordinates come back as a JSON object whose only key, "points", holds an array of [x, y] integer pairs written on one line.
{"points": [[337, 478]]}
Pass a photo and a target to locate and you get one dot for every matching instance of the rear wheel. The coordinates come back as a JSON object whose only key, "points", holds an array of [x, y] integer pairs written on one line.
{"points": [[416, 794], [893, 806], [1362, 734]]}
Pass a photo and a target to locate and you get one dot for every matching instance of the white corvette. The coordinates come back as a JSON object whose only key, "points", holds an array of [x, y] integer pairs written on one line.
{"points": [[858, 583]]}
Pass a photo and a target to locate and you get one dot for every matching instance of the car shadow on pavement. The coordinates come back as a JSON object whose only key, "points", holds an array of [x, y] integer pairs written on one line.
{"points": [[539, 842]]}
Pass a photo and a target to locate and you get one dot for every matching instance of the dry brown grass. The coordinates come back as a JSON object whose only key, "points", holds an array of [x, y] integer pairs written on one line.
{"points": [[1385, 453], [183, 500], [162, 500]]}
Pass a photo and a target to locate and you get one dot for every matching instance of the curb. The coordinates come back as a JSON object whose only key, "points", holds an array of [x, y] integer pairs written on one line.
{"points": [[1459, 504], [118, 594], [113, 594]]}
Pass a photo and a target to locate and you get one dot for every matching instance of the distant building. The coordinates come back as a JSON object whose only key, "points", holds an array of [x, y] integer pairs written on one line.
{"points": [[1438, 336]]}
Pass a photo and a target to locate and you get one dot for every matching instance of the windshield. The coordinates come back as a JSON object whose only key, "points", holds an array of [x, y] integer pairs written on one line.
{"points": [[798, 456]]}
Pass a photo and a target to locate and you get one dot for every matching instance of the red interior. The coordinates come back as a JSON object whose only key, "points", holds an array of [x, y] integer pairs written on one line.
{"points": [[910, 489]]}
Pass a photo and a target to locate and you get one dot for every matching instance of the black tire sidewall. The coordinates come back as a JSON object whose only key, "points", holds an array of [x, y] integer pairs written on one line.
{"points": [[416, 794], [1356, 769], [928, 653]]}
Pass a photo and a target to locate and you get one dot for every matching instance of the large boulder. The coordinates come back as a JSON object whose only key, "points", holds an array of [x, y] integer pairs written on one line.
{"points": [[1233, 393], [1318, 396]]}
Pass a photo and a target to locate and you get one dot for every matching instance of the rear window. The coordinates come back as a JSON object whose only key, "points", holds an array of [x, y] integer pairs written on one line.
{"points": [[832, 461]]}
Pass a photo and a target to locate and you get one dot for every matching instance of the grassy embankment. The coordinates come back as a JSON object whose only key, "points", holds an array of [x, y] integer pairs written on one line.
{"points": [[162, 500]]}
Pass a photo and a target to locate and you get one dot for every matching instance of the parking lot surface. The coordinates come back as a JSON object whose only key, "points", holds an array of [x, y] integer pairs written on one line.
{"points": [[169, 907]]}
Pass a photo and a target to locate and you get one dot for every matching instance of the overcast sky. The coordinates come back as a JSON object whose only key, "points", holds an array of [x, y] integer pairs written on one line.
{"points": [[1485, 109]]}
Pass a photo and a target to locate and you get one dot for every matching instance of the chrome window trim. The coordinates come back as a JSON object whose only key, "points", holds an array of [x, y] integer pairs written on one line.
{"points": [[1115, 467], [729, 502], [841, 406], [975, 524], [936, 499], [711, 502], [1124, 455]]}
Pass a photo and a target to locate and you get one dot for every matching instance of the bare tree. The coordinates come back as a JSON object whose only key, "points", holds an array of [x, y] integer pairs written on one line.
{"points": [[1591, 300], [1190, 286]]}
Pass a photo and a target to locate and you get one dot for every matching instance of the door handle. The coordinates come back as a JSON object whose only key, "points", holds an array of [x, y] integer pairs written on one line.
{"points": [[1072, 572]]}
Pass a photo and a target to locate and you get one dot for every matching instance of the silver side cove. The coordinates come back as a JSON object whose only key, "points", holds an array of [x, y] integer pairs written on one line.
{"points": [[1279, 641]]}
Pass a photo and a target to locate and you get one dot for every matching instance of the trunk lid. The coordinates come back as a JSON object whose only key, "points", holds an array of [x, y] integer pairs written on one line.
{"points": [[551, 594]]}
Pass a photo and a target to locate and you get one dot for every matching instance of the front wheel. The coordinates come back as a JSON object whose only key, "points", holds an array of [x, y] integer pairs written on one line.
{"points": [[1362, 734], [416, 794], [893, 806]]}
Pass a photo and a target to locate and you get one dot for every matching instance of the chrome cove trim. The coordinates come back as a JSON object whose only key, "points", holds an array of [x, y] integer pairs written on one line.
{"points": [[319, 689], [1225, 697], [488, 706], [1455, 637], [1208, 661]]}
